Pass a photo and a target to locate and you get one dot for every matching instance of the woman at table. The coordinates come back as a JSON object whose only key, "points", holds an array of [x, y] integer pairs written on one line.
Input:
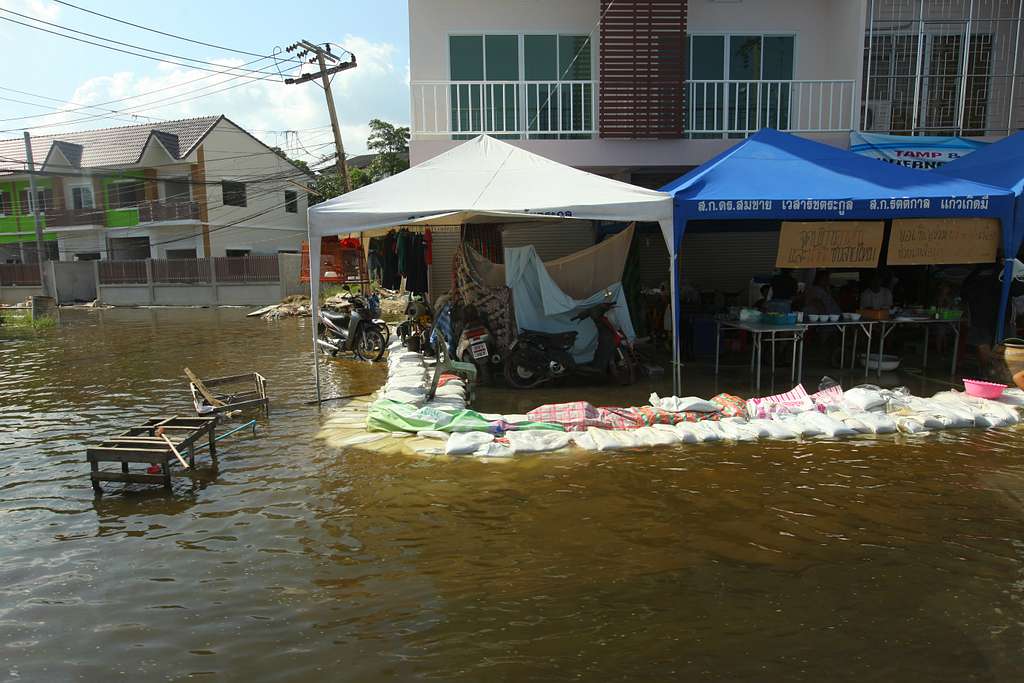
{"points": [[875, 296], [818, 299]]}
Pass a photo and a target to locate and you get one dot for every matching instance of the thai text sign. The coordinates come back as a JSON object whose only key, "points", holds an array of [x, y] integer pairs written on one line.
{"points": [[917, 151], [936, 241], [830, 244]]}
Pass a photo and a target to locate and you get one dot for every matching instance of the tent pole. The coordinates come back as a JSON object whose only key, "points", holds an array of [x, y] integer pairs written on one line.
{"points": [[1004, 299], [314, 303], [674, 290]]}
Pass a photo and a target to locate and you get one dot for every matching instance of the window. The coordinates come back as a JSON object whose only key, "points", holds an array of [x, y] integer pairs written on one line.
{"points": [[88, 256], [180, 253], [5, 203], [177, 190], [44, 200], [234, 193], [543, 82], [236, 253], [735, 83], [126, 194], [291, 201], [81, 197]]}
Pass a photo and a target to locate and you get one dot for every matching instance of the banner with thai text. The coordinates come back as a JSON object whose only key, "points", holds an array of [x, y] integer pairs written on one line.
{"points": [[913, 151], [830, 244]]}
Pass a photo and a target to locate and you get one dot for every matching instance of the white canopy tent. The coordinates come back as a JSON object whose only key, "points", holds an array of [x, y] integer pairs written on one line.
{"points": [[487, 177]]}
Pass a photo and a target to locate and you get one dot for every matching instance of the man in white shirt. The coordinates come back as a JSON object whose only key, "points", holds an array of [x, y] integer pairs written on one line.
{"points": [[876, 296]]}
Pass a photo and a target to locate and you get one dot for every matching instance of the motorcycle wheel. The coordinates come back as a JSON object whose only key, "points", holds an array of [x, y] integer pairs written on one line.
{"points": [[622, 369], [385, 332], [517, 373], [370, 345], [323, 334]]}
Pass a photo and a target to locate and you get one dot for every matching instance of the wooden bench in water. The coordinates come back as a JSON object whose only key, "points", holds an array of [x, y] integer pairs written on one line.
{"points": [[143, 445], [230, 394]]}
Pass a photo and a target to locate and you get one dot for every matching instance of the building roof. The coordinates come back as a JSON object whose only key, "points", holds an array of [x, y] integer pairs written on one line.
{"points": [[120, 146]]}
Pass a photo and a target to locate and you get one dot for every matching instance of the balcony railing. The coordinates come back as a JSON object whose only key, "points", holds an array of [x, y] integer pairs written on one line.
{"points": [[743, 107], [530, 109], [144, 212]]}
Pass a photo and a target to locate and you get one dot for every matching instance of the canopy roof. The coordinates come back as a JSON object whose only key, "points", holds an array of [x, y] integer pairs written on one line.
{"points": [[1000, 164], [490, 177], [774, 175]]}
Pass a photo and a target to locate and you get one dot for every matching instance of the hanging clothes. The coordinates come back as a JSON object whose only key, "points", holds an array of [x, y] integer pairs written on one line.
{"points": [[391, 276], [415, 264]]}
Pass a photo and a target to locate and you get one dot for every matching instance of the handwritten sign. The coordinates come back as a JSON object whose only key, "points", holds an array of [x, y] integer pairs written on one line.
{"points": [[934, 241], [830, 244]]}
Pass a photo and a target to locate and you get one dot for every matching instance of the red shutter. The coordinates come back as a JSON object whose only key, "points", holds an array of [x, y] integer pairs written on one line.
{"points": [[643, 68]]}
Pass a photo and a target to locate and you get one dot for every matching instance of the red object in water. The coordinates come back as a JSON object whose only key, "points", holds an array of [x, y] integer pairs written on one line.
{"points": [[153, 469]]}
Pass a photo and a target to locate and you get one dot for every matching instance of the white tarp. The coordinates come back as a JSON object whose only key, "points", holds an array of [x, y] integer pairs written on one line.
{"points": [[483, 176]]}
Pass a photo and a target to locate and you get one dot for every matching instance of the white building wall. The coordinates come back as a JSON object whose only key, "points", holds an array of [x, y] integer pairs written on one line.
{"points": [[829, 46], [265, 228]]}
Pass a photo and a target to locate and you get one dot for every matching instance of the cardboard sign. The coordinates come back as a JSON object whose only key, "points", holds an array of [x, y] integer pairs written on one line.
{"points": [[939, 241], [830, 244]]}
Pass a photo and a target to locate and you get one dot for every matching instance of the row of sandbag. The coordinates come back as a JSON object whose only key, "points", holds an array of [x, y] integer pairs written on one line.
{"points": [[409, 378]]}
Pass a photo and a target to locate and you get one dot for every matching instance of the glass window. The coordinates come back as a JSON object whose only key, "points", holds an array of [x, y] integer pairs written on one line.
{"points": [[44, 200], [181, 253], [574, 58], [291, 201], [777, 58], [466, 56], [502, 55], [5, 203], [540, 58], [127, 194], [236, 253], [707, 58], [87, 256], [234, 193], [81, 197], [177, 190], [744, 58]]}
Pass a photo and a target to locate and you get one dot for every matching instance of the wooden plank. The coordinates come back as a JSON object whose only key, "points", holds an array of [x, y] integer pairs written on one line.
{"points": [[129, 478], [201, 388], [96, 455]]}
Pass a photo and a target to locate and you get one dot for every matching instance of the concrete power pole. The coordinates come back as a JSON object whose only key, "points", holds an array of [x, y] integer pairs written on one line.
{"points": [[320, 57], [33, 202]]}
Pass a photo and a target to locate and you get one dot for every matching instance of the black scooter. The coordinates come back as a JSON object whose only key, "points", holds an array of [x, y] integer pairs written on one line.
{"points": [[352, 330]]}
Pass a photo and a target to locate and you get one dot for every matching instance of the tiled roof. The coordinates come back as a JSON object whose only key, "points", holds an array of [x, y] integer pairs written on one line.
{"points": [[119, 146]]}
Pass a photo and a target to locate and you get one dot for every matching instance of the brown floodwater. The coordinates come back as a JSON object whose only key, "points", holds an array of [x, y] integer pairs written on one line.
{"points": [[869, 559]]}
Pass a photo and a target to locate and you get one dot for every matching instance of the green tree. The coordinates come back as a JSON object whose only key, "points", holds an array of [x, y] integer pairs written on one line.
{"points": [[391, 143], [297, 162]]}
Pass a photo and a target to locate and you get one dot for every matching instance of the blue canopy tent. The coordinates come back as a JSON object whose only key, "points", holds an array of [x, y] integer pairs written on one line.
{"points": [[777, 176], [1000, 164]]}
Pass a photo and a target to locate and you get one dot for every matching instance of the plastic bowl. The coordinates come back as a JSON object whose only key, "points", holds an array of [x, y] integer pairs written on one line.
{"points": [[811, 317], [980, 389], [889, 363], [834, 318], [853, 317]]}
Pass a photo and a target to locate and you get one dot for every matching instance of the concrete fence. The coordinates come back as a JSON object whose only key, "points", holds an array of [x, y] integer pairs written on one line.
{"points": [[248, 281]]}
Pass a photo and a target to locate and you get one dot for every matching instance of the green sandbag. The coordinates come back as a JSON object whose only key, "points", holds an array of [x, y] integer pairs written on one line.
{"points": [[386, 415]]}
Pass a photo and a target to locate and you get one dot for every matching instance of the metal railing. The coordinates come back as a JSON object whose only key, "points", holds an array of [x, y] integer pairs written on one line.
{"points": [[744, 107], [247, 269], [531, 109], [186, 270], [146, 212], [123, 272], [19, 274], [151, 211]]}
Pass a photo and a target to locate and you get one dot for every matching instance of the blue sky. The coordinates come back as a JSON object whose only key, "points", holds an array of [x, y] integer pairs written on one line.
{"points": [[79, 74]]}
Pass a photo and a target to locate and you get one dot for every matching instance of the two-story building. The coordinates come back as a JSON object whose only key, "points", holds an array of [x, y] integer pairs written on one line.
{"points": [[644, 90], [173, 189]]}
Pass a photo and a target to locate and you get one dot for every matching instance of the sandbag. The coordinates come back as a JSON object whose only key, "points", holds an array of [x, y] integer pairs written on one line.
{"points": [[676, 404], [537, 441], [613, 439], [583, 440], [467, 443], [684, 431], [864, 398], [828, 426], [877, 423], [736, 431], [706, 431], [773, 429], [649, 436], [794, 423]]}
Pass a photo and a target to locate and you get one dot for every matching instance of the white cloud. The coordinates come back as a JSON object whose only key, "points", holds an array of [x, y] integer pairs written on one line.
{"points": [[40, 9], [375, 89]]}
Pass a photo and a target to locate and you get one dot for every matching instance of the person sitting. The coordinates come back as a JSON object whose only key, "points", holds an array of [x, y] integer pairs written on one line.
{"points": [[784, 286], [818, 299], [875, 296], [765, 291]]}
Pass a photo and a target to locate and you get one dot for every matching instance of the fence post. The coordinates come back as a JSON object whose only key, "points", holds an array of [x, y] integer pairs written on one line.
{"points": [[213, 281], [96, 277], [282, 285], [149, 281], [51, 274]]}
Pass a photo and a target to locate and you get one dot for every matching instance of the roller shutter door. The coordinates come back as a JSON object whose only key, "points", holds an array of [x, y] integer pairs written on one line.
{"points": [[551, 239], [726, 261], [443, 247]]}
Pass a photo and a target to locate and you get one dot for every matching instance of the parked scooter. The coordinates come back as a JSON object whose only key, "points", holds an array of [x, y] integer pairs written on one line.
{"points": [[476, 345], [414, 331], [352, 330], [538, 357]]}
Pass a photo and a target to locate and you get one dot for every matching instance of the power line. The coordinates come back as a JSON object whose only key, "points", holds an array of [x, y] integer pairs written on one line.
{"points": [[165, 33]]}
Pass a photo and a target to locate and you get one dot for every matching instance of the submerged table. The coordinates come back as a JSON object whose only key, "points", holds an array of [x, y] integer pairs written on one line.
{"points": [[776, 333], [864, 326], [889, 325]]}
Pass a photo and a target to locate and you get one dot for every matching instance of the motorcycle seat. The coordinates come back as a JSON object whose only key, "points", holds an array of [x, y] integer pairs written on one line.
{"points": [[336, 317], [562, 338]]}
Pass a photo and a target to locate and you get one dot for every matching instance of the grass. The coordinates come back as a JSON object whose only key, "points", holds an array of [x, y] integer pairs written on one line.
{"points": [[22, 320]]}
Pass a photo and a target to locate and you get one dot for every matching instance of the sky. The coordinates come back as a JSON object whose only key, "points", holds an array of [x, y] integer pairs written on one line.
{"points": [[294, 117]]}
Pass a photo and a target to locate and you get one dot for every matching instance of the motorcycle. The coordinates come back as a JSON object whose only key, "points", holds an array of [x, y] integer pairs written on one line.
{"points": [[476, 345], [353, 330], [414, 331], [538, 357]]}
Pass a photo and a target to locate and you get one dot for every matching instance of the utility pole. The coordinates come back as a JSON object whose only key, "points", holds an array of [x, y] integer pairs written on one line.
{"points": [[33, 202], [321, 57]]}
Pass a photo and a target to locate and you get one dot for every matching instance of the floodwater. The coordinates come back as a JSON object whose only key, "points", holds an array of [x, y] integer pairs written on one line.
{"points": [[884, 560]]}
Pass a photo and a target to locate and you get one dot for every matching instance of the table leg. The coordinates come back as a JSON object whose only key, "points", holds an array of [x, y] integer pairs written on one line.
{"points": [[757, 345], [881, 350], [773, 353], [792, 367], [924, 362], [718, 343], [801, 361], [956, 347], [842, 346]]}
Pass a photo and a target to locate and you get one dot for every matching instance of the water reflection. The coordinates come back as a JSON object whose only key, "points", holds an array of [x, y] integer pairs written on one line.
{"points": [[869, 558]]}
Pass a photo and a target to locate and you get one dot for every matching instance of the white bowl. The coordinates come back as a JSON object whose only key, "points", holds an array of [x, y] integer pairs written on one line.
{"points": [[889, 363], [811, 317], [854, 317], [834, 318]]}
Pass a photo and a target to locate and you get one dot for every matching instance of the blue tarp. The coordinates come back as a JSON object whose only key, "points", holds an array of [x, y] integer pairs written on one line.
{"points": [[777, 176]]}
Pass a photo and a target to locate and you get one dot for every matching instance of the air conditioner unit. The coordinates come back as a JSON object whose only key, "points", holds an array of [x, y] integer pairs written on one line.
{"points": [[878, 115]]}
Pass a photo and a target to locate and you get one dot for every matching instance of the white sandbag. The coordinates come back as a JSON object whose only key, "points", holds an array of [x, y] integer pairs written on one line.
{"points": [[911, 425], [432, 434], [851, 421], [650, 436], [986, 413], [676, 404], [513, 418], [794, 423], [877, 423], [537, 440], [613, 439], [406, 395], [1012, 397], [366, 438], [862, 398], [948, 413], [583, 440], [707, 431], [685, 431], [466, 443], [772, 429], [494, 450], [735, 431], [450, 390], [828, 426]]}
